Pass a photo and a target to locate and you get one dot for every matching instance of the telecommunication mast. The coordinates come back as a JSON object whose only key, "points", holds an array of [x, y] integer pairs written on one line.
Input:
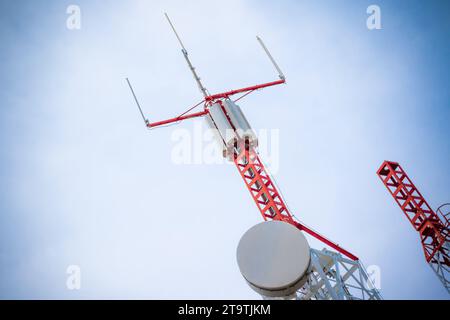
{"points": [[433, 227], [333, 274]]}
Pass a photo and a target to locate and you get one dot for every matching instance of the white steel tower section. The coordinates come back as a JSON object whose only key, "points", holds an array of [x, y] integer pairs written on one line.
{"points": [[334, 277]]}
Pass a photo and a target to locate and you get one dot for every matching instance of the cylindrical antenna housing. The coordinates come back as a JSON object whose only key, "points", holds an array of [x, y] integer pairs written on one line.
{"points": [[223, 127], [240, 122], [216, 135]]}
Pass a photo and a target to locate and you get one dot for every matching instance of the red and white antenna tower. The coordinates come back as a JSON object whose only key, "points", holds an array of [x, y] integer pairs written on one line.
{"points": [[433, 228], [239, 144]]}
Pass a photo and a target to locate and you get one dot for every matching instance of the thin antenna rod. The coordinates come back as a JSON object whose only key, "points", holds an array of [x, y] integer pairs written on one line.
{"points": [[137, 102], [175, 31], [280, 73], [185, 54]]}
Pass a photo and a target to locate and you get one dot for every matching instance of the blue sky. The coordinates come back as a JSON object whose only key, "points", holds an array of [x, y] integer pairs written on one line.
{"points": [[84, 183]]}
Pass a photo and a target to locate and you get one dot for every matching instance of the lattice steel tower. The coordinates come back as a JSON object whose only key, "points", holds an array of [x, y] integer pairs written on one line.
{"points": [[331, 272], [432, 227]]}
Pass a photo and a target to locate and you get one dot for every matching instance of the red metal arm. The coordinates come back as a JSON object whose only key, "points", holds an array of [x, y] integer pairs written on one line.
{"points": [[211, 98], [325, 240], [252, 88], [176, 119]]}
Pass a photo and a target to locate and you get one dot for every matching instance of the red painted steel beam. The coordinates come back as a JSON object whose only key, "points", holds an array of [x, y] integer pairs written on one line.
{"points": [[212, 98], [252, 88], [176, 119], [325, 240]]}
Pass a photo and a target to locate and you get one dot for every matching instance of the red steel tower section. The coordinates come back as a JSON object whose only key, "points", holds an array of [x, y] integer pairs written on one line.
{"points": [[433, 229], [266, 196]]}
